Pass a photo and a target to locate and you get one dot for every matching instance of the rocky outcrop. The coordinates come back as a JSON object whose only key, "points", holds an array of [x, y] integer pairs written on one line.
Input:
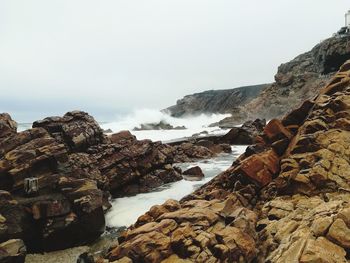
{"points": [[296, 81], [286, 199], [193, 174], [300, 79], [246, 134], [214, 101], [77, 129], [8, 126], [162, 125], [71, 169]]}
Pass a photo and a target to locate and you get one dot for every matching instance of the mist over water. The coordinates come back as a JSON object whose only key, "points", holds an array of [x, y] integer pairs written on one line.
{"points": [[194, 124]]}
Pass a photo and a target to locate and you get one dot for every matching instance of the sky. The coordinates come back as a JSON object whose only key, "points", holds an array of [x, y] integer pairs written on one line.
{"points": [[109, 57]]}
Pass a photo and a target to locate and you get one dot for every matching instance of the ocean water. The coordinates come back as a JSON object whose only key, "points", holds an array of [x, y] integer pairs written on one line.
{"points": [[193, 124], [137, 117], [126, 210]]}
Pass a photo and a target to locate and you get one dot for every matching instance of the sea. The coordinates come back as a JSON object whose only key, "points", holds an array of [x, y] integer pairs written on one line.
{"points": [[126, 210]]}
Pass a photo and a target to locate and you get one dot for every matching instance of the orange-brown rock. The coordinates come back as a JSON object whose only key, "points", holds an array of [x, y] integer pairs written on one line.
{"points": [[285, 200]]}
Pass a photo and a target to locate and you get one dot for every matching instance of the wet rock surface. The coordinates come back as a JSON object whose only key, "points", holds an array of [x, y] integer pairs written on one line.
{"points": [[56, 178], [162, 125], [286, 199]]}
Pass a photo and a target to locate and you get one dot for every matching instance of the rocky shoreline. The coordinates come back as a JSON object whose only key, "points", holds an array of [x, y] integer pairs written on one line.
{"points": [[57, 178], [285, 200]]}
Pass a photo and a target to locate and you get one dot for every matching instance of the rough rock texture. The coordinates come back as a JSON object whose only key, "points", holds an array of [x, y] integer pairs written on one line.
{"points": [[286, 199], [300, 79], [8, 126], [296, 81], [77, 168], [214, 101], [162, 125], [77, 129], [246, 134], [193, 174]]}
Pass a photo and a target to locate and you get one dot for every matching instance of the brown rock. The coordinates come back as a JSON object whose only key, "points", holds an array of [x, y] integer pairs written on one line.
{"points": [[8, 127], [193, 174], [77, 129]]}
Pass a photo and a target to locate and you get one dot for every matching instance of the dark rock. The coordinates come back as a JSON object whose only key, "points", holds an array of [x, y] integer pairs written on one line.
{"points": [[122, 137], [77, 129], [162, 125], [30, 154], [193, 174], [214, 101], [107, 131], [246, 134], [8, 127]]}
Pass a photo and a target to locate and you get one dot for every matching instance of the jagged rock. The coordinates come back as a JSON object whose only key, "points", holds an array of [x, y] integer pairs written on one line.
{"points": [[194, 230], [246, 134], [77, 129], [187, 151], [13, 251], [214, 101], [162, 125], [301, 193], [33, 153], [193, 174], [8, 127], [122, 137]]}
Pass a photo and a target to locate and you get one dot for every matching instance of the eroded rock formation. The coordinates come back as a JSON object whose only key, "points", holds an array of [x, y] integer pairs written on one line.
{"points": [[76, 168], [285, 200]]}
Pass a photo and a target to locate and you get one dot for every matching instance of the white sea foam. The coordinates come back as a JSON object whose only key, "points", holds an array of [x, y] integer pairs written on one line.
{"points": [[194, 125], [126, 210]]}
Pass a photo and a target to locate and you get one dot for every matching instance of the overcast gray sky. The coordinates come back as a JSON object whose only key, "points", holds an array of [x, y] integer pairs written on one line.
{"points": [[113, 55]]}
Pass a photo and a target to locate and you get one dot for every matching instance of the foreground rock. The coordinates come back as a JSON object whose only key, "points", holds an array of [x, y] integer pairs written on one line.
{"points": [[56, 178], [285, 200]]}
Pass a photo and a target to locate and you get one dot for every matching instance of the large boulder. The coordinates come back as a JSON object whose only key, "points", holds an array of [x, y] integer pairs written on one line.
{"points": [[246, 134], [33, 153], [8, 127], [77, 129], [193, 174]]}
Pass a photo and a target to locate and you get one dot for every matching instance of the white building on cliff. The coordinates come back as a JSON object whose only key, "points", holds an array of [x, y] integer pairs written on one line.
{"points": [[347, 19]]}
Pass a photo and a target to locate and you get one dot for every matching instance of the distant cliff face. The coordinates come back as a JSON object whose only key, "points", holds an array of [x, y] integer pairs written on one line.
{"points": [[215, 101], [300, 79], [296, 81]]}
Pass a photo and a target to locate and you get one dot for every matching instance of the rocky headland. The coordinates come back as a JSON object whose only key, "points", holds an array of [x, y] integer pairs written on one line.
{"points": [[214, 101], [296, 81], [286, 199]]}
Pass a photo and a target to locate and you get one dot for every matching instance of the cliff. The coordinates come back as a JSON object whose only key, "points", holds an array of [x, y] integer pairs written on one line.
{"points": [[300, 79], [297, 80], [214, 101], [286, 199]]}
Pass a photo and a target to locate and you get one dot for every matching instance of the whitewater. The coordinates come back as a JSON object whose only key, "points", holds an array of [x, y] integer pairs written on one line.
{"points": [[126, 210], [194, 124]]}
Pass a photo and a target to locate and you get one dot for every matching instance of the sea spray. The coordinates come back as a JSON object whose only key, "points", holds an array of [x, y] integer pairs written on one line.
{"points": [[193, 124], [126, 210]]}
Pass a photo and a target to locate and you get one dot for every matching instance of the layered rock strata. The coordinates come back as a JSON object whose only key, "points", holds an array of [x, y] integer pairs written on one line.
{"points": [[286, 199], [76, 168]]}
